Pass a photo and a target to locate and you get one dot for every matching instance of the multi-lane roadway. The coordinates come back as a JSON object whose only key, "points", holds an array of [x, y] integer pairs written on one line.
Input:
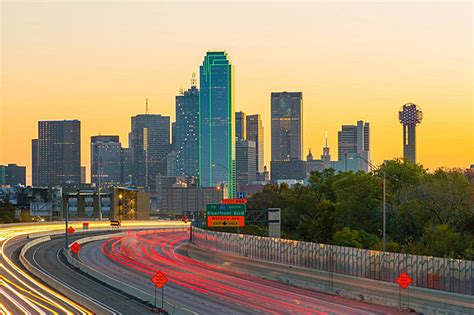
{"points": [[21, 293], [198, 282], [204, 287]]}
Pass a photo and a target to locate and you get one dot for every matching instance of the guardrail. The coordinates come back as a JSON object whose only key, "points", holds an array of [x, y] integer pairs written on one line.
{"points": [[451, 275]]}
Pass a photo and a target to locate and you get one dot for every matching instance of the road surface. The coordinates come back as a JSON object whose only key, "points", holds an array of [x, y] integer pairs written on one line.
{"points": [[207, 288]]}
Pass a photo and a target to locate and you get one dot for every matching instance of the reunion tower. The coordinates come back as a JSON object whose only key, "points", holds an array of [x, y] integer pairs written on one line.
{"points": [[409, 115]]}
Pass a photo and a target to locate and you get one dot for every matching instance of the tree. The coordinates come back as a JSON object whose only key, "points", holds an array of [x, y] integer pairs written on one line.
{"points": [[355, 238], [358, 201], [7, 212], [443, 241]]}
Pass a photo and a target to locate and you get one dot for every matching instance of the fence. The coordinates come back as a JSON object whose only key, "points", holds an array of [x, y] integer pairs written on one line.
{"points": [[453, 275]]}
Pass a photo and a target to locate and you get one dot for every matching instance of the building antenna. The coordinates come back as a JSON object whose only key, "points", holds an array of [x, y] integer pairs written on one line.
{"points": [[193, 79], [326, 138], [146, 106]]}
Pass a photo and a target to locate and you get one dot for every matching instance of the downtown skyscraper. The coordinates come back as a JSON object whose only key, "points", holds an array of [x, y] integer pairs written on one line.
{"points": [[216, 122], [149, 142], [185, 132], [56, 154], [287, 126], [106, 160], [255, 133], [354, 146]]}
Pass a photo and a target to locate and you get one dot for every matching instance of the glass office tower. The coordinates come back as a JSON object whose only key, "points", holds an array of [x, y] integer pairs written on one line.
{"points": [[216, 123]]}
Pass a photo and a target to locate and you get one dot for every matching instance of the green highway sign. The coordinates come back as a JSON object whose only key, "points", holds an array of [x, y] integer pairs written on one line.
{"points": [[215, 209]]}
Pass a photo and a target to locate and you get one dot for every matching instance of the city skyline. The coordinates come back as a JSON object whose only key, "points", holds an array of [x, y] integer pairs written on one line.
{"points": [[439, 82]]}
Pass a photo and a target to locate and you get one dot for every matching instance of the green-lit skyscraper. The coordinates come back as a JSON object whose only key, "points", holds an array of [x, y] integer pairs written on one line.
{"points": [[216, 122]]}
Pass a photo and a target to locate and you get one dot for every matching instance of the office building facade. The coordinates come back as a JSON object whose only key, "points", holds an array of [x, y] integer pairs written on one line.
{"points": [[240, 129], [12, 174], [246, 163], [255, 133], [354, 146], [58, 153], [186, 133], [150, 145], [217, 122], [287, 125], [106, 161]]}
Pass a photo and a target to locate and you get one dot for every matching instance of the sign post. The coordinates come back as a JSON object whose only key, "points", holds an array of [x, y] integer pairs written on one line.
{"points": [[403, 281], [160, 280]]}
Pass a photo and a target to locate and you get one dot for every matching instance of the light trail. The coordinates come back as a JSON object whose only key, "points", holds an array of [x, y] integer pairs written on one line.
{"points": [[38, 296], [236, 288]]}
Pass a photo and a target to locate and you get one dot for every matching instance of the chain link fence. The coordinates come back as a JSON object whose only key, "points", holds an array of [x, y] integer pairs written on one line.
{"points": [[453, 275]]}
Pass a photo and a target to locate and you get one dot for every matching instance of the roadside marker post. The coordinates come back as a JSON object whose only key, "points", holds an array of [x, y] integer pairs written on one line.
{"points": [[403, 281], [160, 280]]}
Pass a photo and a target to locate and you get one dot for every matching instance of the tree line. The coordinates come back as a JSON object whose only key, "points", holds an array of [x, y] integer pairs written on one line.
{"points": [[426, 213]]}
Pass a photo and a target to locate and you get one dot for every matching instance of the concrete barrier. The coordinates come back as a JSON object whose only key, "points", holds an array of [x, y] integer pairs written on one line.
{"points": [[422, 300], [117, 284], [59, 286], [77, 296]]}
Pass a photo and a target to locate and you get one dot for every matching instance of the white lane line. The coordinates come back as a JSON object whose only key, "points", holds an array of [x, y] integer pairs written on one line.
{"points": [[46, 273]]}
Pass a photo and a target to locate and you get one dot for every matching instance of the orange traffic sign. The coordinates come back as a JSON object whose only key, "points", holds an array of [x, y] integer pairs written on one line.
{"points": [[404, 280], [75, 247], [159, 279], [233, 201], [226, 220], [70, 230]]}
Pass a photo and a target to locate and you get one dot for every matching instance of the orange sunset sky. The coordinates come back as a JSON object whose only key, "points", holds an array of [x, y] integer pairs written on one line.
{"points": [[98, 61]]}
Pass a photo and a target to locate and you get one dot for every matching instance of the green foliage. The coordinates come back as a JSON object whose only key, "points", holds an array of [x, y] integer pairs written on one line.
{"points": [[346, 209], [355, 238], [443, 241], [7, 212]]}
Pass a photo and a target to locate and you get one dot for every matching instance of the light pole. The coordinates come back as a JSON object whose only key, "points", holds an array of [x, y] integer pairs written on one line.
{"points": [[384, 200]]}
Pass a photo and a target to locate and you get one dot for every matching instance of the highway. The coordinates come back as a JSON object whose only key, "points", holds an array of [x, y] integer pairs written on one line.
{"points": [[23, 294], [208, 288]]}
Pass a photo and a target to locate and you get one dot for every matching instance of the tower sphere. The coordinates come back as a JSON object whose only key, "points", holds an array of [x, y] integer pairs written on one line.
{"points": [[410, 114]]}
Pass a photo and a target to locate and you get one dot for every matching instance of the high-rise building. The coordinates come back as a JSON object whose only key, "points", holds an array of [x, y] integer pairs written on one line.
{"points": [[83, 174], [126, 162], [58, 152], [287, 125], [216, 122], [12, 174], [186, 132], [150, 145], [34, 162], [354, 145], [255, 134], [410, 115], [240, 126], [246, 163], [106, 161]]}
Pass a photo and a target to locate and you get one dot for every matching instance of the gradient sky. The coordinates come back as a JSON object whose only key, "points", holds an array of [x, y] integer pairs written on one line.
{"points": [[98, 61]]}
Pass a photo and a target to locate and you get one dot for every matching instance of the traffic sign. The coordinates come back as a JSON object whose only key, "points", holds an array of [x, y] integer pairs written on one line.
{"points": [[70, 230], [226, 221], [233, 201], [159, 279], [225, 209], [75, 247], [404, 280]]}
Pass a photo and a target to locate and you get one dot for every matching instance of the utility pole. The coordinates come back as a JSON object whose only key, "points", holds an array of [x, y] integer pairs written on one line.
{"points": [[384, 213]]}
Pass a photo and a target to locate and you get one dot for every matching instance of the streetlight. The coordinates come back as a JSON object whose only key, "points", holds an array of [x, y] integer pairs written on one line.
{"points": [[384, 212]]}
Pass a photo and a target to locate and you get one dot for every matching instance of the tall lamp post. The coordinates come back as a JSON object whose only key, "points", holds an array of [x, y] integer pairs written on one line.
{"points": [[384, 203]]}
